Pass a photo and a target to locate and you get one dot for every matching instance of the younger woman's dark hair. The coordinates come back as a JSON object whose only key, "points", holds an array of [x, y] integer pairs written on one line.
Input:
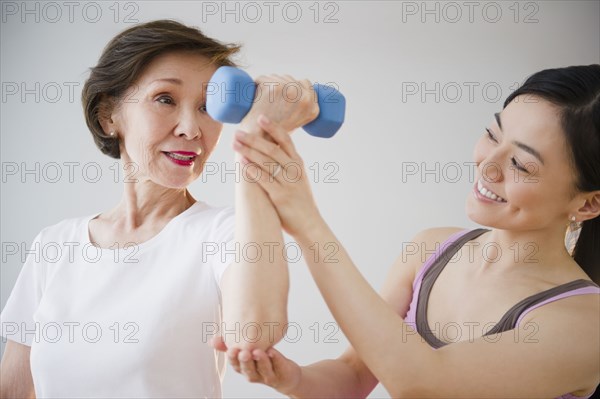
{"points": [[576, 92], [123, 60]]}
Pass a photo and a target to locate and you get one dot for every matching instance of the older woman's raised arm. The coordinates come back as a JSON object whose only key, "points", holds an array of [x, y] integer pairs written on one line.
{"points": [[255, 289]]}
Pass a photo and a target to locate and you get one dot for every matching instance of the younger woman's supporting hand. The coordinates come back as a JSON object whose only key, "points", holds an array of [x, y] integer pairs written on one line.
{"points": [[266, 367], [274, 163]]}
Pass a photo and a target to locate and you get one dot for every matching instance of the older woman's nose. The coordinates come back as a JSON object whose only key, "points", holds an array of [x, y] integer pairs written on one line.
{"points": [[189, 125]]}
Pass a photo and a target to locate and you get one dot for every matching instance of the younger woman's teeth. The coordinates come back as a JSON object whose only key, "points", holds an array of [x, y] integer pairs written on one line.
{"points": [[488, 194]]}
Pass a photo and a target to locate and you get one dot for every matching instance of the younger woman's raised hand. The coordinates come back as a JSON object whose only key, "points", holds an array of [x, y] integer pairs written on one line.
{"points": [[279, 169]]}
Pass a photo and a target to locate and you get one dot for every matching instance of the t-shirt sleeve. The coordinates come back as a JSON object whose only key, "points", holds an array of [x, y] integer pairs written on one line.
{"points": [[222, 242], [16, 319]]}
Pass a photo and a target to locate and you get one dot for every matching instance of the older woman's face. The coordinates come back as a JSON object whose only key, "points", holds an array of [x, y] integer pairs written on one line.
{"points": [[524, 168], [163, 114]]}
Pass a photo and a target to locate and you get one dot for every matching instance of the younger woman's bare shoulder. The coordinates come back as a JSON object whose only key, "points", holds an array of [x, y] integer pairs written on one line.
{"points": [[425, 242], [439, 234]]}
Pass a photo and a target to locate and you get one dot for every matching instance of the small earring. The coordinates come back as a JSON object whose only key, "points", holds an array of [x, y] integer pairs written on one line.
{"points": [[572, 234], [574, 225], [112, 133]]}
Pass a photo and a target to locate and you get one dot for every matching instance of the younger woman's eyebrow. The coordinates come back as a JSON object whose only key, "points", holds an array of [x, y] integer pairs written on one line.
{"points": [[522, 146], [497, 115], [530, 150]]}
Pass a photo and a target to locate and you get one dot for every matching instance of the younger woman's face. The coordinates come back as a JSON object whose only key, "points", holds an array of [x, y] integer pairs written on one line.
{"points": [[164, 112], [524, 178]]}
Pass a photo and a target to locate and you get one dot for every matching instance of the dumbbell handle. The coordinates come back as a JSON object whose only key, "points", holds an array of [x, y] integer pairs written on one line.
{"points": [[230, 95]]}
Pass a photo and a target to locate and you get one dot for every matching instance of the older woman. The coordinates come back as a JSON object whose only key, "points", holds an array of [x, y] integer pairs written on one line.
{"points": [[501, 326], [128, 312]]}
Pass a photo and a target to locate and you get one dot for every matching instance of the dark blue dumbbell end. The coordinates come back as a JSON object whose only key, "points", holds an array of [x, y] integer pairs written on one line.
{"points": [[332, 109], [229, 95]]}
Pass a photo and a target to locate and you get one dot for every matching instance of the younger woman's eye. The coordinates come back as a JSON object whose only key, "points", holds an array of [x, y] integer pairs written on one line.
{"points": [[165, 100], [518, 165], [491, 135], [203, 108]]}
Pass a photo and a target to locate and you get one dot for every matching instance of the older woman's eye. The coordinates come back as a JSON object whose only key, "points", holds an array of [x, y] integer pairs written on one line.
{"points": [[203, 108], [165, 100]]}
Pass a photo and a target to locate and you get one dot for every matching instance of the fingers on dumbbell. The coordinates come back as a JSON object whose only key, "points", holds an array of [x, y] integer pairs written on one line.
{"points": [[265, 79]]}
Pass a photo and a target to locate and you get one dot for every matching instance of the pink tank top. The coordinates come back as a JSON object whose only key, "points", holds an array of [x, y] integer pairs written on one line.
{"points": [[416, 316]]}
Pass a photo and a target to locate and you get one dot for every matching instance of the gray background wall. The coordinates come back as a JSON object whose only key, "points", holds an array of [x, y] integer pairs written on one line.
{"points": [[421, 81]]}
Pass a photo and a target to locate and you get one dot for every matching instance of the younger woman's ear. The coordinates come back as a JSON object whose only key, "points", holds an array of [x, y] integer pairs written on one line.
{"points": [[591, 207]]}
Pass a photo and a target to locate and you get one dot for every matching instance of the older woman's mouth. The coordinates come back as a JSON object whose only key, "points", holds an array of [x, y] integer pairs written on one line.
{"points": [[183, 158]]}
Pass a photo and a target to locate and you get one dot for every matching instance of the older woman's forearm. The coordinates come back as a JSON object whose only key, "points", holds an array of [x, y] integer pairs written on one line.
{"points": [[257, 286], [256, 290]]}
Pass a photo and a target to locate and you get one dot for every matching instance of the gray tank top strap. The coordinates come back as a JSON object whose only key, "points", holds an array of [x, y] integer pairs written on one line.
{"points": [[429, 279], [507, 322]]}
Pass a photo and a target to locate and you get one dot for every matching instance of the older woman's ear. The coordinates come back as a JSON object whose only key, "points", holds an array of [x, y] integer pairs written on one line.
{"points": [[105, 111], [106, 130]]}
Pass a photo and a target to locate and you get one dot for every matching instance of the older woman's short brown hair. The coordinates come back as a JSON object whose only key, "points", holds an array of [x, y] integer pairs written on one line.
{"points": [[124, 59]]}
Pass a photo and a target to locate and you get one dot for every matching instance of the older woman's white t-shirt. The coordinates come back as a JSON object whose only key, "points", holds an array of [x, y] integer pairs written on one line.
{"points": [[128, 323]]}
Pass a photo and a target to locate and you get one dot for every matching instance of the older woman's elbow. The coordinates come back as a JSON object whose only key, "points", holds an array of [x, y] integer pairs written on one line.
{"points": [[254, 331]]}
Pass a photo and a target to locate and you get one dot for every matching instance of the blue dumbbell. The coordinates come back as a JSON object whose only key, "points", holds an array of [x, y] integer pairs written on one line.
{"points": [[230, 94]]}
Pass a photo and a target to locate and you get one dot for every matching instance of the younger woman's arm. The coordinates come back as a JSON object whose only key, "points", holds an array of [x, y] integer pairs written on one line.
{"points": [[495, 366]]}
